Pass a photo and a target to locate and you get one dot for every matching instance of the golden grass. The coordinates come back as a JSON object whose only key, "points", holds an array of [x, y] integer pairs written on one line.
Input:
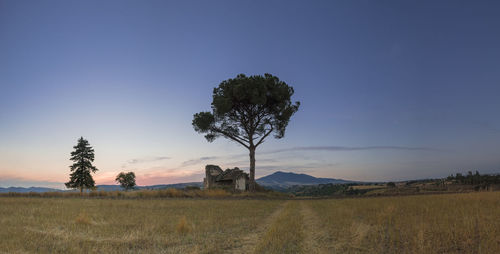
{"points": [[162, 193], [448, 223], [83, 219], [285, 234], [76, 225], [150, 194], [452, 223]]}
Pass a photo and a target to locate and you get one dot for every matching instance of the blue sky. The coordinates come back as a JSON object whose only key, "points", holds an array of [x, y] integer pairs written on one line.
{"points": [[390, 90]]}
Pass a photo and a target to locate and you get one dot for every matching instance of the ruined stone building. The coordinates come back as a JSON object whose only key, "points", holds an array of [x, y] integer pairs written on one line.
{"points": [[234, 179]]}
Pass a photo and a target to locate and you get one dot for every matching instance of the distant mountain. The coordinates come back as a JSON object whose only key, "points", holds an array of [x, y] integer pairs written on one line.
{"points": [[101, 188], [277, 181], [150, 187], [30, 189], [284, 180]]}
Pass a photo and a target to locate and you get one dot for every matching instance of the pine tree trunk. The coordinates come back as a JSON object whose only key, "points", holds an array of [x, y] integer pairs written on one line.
{"points": [[81, 190], [251, 185]]}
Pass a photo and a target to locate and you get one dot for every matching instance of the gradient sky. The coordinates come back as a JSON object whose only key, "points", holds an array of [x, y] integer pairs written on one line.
{"points": [[390, 90]]}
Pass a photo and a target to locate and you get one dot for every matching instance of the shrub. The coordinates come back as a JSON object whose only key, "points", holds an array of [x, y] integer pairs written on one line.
{"points": [[214, 193], [190, 188], [83, 219], [183, 226]]}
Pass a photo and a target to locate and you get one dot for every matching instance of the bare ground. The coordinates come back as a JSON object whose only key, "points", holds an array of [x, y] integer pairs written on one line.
{"points": [[317, 240], [249, 241]]}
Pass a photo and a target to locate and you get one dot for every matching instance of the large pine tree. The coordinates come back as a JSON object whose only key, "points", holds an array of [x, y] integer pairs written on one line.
{"points": [[247, 110], [83, 156]]}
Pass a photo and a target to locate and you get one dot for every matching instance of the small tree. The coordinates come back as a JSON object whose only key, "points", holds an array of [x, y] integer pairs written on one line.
{"points": [[126, 180], [83, 156], [246, 110]]}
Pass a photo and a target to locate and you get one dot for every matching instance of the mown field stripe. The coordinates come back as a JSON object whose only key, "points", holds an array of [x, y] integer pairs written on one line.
{"points": [[285, 234], [317, 239], [249, 241]]}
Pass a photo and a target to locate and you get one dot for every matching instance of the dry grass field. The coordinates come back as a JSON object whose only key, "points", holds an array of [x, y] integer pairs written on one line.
{"points": [[451, 223]]}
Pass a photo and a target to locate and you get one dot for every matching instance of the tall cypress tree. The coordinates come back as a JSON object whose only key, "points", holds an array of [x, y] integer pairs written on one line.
{"points": [[83, 156]]}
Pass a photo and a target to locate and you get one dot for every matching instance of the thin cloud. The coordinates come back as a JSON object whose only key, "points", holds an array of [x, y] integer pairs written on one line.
{"points": [[148, 159], [336, 149], [246, 162], [489, 127], [162, 175], [300, 167], [348, 148], [198, 160], [170, 177], [156, 175]]}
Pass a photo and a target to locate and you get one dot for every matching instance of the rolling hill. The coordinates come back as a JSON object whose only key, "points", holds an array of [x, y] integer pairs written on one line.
{"points": [[277, 181], [30, 189], [284, 180], [100, 188], [150, 187]]}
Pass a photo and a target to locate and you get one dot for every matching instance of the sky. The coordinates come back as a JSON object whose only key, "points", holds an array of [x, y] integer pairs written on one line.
{"points": [[389, 90]]}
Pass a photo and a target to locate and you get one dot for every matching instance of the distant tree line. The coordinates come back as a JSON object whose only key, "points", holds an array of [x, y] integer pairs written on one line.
{"points": [[329, 189], [475, 178]]}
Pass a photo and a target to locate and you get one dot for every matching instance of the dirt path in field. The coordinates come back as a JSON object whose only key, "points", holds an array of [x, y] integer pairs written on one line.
{"points": [[248, 242], [317, 240]]}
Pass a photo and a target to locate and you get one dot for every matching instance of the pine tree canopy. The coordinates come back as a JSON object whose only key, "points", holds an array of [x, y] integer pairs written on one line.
{"points": [[247, 109], [83, 156]]}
